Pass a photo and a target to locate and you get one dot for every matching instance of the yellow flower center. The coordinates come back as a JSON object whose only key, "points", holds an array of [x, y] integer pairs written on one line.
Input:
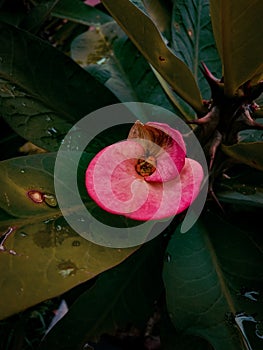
{"points": [[146, 167]]}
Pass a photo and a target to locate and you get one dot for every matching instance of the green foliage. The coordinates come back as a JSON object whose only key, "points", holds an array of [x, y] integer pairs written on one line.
{"points": [[61, 60], [237, 35], [204, 274], [96, 312], [43, 257]]}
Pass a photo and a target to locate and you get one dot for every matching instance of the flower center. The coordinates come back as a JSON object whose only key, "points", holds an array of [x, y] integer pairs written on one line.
{"points": [[146, 167]]}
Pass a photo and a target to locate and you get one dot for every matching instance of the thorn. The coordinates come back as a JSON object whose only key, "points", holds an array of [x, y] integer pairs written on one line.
{"points": [[208, 75]]}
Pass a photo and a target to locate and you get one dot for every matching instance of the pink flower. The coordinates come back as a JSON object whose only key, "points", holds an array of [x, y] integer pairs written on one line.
{"points": [[147, 176], [92, 2]]}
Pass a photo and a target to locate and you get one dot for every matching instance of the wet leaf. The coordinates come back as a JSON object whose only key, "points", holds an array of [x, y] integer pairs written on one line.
{"points": [[206, 274], [42, 91], [193, 40], [250, 153], [109, 55], [243, 188], [77, 11], [251, 135], [238, 34], [147, 38], [121, 296], [42, 256]]}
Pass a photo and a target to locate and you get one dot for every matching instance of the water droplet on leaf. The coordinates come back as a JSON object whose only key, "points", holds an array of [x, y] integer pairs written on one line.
{"points": [[52, 131], [35, 196], [23, 234], [75, 243], [168, 257], [50, 200], [22, 171]]}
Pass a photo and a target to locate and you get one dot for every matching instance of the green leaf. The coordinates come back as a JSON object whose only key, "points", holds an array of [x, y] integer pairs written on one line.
{"points": [[37, 16], [159, 11], [251, 135], [193, 40], [242, 187], [238, 34], [121, 296], [42, 257], [151, 44], [205, 273], [39, 85], [250, 153], [77, 11], [109, 55]]}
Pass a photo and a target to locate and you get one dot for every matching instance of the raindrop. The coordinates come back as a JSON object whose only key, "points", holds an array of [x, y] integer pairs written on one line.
{"points": [[102, 60], [23, 104], [35, 196], [252, 295], [239, 319], [168, 257], [190, 32], [52, 131], [81, 219], [50, 200], [23, 234], [48, 221], [48, 119], [58, 228], [75, 243], [22, 171], [87, 347], [1, 59]]}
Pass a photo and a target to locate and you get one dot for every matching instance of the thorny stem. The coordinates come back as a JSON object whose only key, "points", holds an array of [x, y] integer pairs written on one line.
{"points": [[225, 117]]}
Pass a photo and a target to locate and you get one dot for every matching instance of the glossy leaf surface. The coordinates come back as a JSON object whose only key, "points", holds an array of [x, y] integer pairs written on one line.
{"points": [[42, 257], [31, 95], [193, 40], [123, 295], [238, 34], [204, 273], [250, 153], [76, 11], [145, 35], [110, 56]]}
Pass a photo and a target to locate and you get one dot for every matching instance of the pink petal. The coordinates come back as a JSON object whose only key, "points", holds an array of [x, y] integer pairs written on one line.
{"points": [[92, 2], [113, 183], [172, 197], [171, 161]]}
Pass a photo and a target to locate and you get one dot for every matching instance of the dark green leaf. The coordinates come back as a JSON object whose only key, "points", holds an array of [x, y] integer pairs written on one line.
{"points": [[77, 11], [238, 34], [205, 273], [37, 16], [250, 153], [122, 296], [151, 44], [42, 257], [242, 187], [251, 135], [41, 85], [109, 55], [193, 40]]}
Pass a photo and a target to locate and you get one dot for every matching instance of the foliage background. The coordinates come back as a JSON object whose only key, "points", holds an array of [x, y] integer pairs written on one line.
{"points": [[60, 60]]}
